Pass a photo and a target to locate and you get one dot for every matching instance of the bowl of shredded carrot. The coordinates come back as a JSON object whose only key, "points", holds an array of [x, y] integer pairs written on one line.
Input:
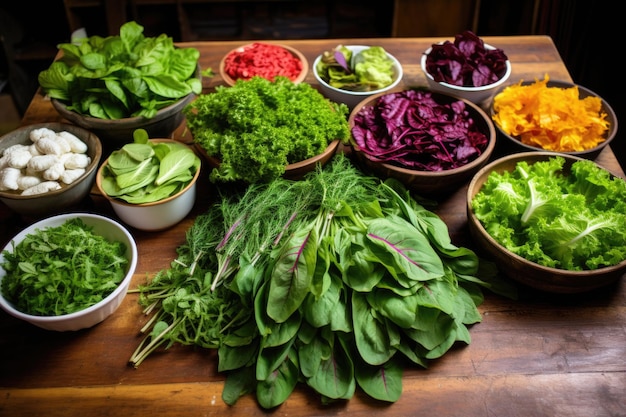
{"points": [[263, 59], [553, 116]]}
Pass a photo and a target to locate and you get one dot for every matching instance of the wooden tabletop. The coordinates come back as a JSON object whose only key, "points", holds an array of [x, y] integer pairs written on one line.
{"points": [[540, 355]]}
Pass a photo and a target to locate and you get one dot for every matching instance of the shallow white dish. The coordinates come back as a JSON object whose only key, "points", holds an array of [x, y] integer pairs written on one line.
{"points": [[93, 315]]}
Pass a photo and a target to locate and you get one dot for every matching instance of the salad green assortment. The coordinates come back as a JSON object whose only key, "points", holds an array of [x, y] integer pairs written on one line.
{"points": [[122, 76], [335, 281], [574, 221], [368, 70]]}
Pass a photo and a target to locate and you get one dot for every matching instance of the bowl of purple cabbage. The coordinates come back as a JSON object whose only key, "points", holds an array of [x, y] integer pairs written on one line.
{"points": [[350, 73], [552, 222], [432, 142], [467, 67]]}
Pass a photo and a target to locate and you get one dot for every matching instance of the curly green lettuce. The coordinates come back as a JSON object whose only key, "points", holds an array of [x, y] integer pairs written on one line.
{"points": [[574, 221], [257, 127]]}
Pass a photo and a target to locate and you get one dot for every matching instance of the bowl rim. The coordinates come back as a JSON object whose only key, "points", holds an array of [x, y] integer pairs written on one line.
{"points": [[524, 156], [65, 187], [59, 219], [295, 52], [480, 160], [609, 135], [501, 80], [120, 202], [399, 74]]}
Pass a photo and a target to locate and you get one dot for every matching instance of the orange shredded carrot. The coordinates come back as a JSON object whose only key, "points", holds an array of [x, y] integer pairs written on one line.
{"points": [[550, 118]]}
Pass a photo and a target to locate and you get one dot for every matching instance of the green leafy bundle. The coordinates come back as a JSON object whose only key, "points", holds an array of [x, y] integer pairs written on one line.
{"points": [[334, 281], [573, 219], [257, 127], [122, 76]]}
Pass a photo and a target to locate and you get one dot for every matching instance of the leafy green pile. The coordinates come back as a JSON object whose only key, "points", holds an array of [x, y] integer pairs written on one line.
{"points": [[574, 221], [122, 76], [61, 270], [145, 171], [332, 281], [257, 127]]}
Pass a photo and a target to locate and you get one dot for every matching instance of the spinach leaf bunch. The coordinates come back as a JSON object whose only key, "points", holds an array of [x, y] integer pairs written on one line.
{"points": [[257, 127], [336, 281], [121, 76]]}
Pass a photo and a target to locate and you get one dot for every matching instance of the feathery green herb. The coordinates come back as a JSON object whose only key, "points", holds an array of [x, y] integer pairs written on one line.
{"points": [[334, 281]]}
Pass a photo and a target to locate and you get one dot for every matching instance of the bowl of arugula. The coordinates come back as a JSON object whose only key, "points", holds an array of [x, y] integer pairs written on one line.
{"points": [[466, 67], [350, 73], [432, 142], [88, 259], [552, 222], [147, 84], [150, 183]]}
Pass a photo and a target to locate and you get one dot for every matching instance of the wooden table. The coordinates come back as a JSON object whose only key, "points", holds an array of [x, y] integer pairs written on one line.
{"points": [[541, 355]]}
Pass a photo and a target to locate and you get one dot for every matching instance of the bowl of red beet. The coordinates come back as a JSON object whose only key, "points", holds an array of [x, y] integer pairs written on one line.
{"points": [[263, 59], [466, 67], [432, 142]]}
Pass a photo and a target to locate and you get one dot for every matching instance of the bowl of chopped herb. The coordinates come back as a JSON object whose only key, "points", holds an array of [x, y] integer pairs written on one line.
{"points": [[553, 116], [432, 142], [162, 188], [466, 67], [552, 222], [88, 259]]}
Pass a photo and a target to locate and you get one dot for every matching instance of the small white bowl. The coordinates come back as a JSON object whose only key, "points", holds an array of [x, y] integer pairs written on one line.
{"points": [[477, 95], [352, 98], [93, 315], [154, 216]]}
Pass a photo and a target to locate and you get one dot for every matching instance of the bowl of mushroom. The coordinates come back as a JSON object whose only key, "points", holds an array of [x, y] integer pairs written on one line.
{"points": [[47, 168]]}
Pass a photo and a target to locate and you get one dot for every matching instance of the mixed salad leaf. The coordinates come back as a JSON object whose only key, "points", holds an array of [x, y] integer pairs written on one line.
{"points": [[336, 281], [568, 219], [367, 70], [466, 61], [120, 76], [416, 130]]}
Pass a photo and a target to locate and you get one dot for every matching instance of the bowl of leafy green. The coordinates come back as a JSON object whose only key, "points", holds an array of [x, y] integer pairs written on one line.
{"points": [[128, 81], [466, 67], [552, 222], [150, 183], [88, 259], [432, 142], [350, 73]]}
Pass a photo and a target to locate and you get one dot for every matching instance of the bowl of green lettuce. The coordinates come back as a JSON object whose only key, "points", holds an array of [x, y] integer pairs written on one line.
{"points": [[552, 222], [114, 85], [351, 73]]}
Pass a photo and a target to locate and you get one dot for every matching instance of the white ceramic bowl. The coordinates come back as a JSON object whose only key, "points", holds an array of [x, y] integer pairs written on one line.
{"points": [[352, 98], [93, 315], [69, 196], [478, 95], [157, 215]]}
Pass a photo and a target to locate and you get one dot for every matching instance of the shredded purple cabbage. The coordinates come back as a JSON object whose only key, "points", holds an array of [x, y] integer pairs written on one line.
{"points": [[412, 130]]}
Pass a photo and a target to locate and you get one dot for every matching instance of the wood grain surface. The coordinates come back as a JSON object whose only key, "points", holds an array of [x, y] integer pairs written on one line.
{"points": [[540, 355]]}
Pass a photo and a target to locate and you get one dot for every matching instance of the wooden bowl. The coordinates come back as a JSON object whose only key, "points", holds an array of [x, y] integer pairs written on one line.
{"points": [[69, 196], [429, 183], [514, 144], [518, 268], [294, 171], [297, 54]]}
